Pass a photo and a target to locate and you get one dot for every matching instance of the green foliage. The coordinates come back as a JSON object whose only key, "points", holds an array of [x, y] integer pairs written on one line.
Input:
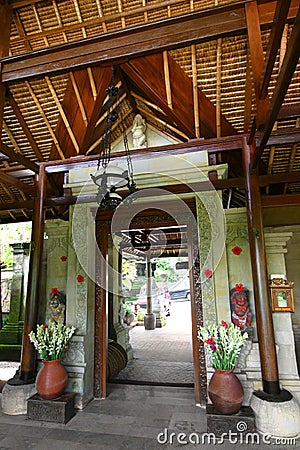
{"points": [[165, 271], [128, 307], [140, 314], [128, 273], [12, 233]]}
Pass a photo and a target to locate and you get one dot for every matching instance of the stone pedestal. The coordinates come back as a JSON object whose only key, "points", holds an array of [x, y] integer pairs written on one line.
{"points": [[219, 424], [277, 418], [14, 398], [59, 410], [149, 321]]}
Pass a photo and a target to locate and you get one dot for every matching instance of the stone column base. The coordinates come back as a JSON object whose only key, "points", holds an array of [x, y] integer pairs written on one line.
{"points": [[14, 398], [276, 418]]}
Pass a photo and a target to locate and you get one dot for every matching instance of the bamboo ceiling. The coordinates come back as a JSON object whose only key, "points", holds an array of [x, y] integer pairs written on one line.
{"points": [[203, 89]]}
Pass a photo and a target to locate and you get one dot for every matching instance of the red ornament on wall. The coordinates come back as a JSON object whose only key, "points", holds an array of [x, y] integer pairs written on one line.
{"points": [[237, 250], [54, 291], [80, 278], [63, 258], [208, 273]]}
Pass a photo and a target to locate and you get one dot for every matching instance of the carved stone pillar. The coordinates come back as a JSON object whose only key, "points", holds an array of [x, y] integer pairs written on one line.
{"points": [[80, 293], [275, 249], [11, 334]]}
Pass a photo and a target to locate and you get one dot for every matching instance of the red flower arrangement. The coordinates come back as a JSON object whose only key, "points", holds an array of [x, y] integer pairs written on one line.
{"points": [[237, 250], [63, 258], [208, 273], [239, 287], [54, 291], [80, 278]]}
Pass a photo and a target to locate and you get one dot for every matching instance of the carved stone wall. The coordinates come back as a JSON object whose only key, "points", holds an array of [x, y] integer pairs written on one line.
{"points": [[64, 271]]}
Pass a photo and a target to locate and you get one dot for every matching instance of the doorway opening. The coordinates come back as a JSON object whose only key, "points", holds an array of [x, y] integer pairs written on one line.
{"points": [[155, 280]]}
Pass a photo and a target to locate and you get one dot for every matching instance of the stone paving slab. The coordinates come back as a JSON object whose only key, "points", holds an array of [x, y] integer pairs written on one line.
{"points": [[118, 423]]}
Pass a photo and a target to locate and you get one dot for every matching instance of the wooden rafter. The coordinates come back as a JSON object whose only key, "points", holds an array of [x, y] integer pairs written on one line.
{"points": [[62, 113], [73, 107], [257, 59], [24, 126], [6, 178], [195, 93], [181, 113], [285, 75], [18, 157], [45, 119], [202, 25], [281, 12]]}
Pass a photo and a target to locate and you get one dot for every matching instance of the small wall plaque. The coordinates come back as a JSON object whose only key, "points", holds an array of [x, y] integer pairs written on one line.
{"points": [[282, 295]]}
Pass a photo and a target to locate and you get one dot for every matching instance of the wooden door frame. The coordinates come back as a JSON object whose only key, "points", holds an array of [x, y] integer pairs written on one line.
{"points": [[151, 218]]}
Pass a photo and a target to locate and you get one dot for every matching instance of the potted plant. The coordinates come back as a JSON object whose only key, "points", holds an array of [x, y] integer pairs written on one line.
{"points": [[223, 343], [51, 341]]}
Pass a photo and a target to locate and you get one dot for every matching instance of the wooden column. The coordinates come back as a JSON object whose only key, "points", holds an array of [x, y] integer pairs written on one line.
{"points": [[200, 377], [265, 330], [34, 277], [149, 286], [100, 345]]}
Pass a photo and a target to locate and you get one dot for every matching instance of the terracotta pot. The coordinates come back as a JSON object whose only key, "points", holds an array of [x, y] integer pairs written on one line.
{"points": [[226, 392], [51, 380]]}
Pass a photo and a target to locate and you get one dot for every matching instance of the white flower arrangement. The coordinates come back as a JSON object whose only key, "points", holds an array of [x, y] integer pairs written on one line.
{"points": [[224, 343], [51, 340]]}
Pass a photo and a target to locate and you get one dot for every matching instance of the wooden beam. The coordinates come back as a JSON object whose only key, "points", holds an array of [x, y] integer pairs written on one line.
{"points": [[282, 9], [24, 126], [283, 81], [18, 157], [136, 41], [277, 178], [289, 112], [257, 59], [281, 137], [5, 178], [103, 81], [269, 201]]}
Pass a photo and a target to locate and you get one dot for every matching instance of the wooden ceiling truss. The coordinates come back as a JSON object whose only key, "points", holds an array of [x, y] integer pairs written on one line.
{"points": [[54, 80]]}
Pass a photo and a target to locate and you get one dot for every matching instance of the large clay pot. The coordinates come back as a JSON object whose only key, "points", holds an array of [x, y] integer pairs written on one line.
{"points": [[226, 392], [51, 380]]}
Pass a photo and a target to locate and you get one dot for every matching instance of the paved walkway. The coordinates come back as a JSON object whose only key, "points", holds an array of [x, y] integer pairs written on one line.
{"points": [[162, 356], [133, 416]]}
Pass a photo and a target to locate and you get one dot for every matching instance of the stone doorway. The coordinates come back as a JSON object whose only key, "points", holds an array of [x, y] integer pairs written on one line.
{"points": [[153, 219]]}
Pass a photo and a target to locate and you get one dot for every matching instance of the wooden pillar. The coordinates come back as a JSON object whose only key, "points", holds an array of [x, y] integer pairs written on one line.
{"points": [[100, 345], [265, 330], [149, 287], [34, 277]]}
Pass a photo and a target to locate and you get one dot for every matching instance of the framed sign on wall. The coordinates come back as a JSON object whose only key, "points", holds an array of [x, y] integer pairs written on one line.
{"points": [[282, 295]]}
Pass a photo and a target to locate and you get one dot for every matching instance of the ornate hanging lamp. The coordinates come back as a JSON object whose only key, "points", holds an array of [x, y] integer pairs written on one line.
{"points": [[109, 177]]}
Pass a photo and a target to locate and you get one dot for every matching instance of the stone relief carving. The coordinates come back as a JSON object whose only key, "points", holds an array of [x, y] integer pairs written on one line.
{"points": [[236, 229], [75, 353]]}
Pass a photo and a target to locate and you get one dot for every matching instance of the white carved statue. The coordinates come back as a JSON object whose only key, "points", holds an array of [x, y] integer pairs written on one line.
{"points": [[138, 132]]}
